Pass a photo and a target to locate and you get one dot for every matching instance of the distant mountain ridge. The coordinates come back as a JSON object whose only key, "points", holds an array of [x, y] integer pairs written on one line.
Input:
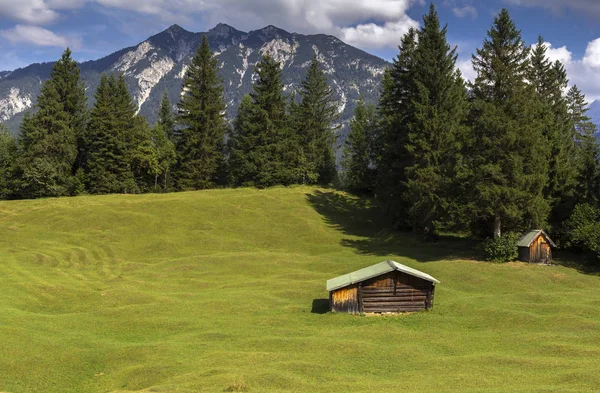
{"points": [[159, 64]]}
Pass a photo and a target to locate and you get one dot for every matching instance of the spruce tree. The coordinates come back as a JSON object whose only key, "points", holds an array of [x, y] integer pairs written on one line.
{"points": [[550, 81], [263, 148], [509, 149], [358, 160], [109, 139], [166, 120], [436, 130], [314, 121], [588, 149], [49, 148], [395, 114], [8, 155], [70, 88], [203, 124], [241, 168]]}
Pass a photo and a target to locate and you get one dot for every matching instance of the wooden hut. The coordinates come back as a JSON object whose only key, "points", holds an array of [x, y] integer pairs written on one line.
{"points": [[387, 287], [534, 247]]}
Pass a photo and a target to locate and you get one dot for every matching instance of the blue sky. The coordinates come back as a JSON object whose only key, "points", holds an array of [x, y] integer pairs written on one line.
{"points": [[38, 30]]}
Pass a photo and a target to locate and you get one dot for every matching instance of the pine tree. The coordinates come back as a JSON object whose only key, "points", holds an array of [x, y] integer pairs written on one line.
{"points": [[395, 113], [263, 148], [508, 149], [166, 120], [314, 118], [202, 117], [8, 155], [588, 149], [109, 139], [358, 161], [436, 130]]}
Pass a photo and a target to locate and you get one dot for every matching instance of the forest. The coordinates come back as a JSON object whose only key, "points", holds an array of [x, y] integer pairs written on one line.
{"points": [[509, 151]]}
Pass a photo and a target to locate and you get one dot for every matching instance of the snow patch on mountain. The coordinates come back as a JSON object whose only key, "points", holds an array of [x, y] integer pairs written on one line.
{"points": [[149, 77], [280, 50], [131, 58], [14, 104], [242, 71], [183, 71]]}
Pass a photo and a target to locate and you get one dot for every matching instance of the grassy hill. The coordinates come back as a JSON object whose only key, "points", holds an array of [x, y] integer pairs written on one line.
{"points": [[213, 291]]}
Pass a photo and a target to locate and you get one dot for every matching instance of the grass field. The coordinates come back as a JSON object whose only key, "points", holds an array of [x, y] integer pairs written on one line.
{"points": [[213, 291]]}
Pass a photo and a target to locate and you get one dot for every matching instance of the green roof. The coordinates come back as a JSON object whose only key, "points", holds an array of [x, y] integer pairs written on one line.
{"points": [[530, 236], [374, 271]]}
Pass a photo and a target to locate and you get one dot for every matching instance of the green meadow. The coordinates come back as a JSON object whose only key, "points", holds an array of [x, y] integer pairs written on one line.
{"points": [[223, 291]]}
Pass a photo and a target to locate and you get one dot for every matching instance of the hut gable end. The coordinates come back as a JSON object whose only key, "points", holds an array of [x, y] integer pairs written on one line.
{"points": [[535, 247]]}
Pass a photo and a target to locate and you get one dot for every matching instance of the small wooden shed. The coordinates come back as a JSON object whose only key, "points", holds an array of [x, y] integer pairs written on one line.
{"points": [[387, 287], [535, 247]]}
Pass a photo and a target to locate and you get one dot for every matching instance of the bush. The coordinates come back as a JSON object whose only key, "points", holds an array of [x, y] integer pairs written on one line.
{"points": [[584, 228], [503, 249]]}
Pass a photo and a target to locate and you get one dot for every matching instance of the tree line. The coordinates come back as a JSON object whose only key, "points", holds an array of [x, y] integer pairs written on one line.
{"points": [[510, 151], [64, 149]]}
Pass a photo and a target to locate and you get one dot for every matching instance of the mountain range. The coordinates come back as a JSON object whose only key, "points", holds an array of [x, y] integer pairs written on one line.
{"points": [[159, 63]]}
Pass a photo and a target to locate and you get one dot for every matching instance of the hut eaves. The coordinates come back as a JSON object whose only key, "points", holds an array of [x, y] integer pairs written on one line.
{"points": [[529, 237], [374, 271]]}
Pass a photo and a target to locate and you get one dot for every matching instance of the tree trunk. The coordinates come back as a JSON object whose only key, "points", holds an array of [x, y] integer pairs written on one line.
{"points": [[497, 227]]}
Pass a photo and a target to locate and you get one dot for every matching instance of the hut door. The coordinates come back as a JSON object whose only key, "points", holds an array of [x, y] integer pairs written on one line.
{"points": [[546, 253]]}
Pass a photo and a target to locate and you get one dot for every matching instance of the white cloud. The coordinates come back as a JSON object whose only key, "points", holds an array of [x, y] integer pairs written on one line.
{"points": [[373, 23], [29, 11], [466, 68], [588, 7], [592, 54], [561, 54], [35, 35], [466, 11], [377, 36]]}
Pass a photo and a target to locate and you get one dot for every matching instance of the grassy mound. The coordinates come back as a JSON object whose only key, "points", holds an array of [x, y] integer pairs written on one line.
{"points": [[222, 291]]}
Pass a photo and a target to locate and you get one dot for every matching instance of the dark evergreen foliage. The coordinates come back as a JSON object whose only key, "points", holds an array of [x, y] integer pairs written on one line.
{"points": [[359, 158], [550, 81], [166, 119], [8, 155], [436, 131], [110, 138], [395, 114], [203, 125], [313, 123], [508, 147], [588, 149], [262, 147]]}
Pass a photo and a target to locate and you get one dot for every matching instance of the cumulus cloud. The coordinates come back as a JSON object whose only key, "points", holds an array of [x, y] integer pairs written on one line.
{"points": [[378, 36], [29, 11], [38, 36], [373, 23], [464, 12], [589, 7]]}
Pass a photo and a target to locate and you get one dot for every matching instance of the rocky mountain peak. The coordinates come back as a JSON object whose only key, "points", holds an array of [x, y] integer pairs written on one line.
{"points": [[223, 31], [271, 32]]}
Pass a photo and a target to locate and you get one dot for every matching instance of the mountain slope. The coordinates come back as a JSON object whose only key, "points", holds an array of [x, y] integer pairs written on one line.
{"points": [[159, 63]]}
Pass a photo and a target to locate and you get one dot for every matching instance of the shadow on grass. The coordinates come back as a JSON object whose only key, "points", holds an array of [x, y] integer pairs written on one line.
{"points": [[582, 262], [361, 218], [320, 306]]}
